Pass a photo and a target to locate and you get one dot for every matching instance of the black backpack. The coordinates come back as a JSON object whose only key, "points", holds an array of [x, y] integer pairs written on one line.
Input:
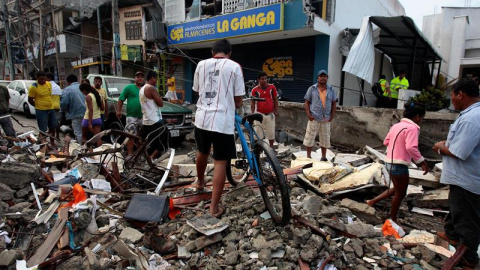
{"points": [[377, 89]]}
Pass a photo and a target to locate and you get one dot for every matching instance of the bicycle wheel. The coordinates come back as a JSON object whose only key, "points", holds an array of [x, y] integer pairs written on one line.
{"points": [[274, 188], [238, 169]]}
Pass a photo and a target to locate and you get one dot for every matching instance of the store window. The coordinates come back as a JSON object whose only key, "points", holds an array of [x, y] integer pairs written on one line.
{"points": [[133, 30]]}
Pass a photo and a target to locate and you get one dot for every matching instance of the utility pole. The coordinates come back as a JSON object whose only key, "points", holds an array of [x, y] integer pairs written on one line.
{"points": [[116, 39], [24, 39], [99, 24], [8, 38], [56, 47], [41, 39]]}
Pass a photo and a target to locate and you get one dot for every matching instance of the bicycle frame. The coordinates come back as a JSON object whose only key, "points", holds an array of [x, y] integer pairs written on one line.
{"points": [[252, 162]]}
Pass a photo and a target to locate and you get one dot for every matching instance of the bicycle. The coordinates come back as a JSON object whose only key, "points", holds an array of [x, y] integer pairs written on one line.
{"points": [[259, 160]]}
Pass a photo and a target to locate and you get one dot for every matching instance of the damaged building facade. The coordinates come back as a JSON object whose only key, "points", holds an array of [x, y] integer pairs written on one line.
{"points": [[87, 36]]}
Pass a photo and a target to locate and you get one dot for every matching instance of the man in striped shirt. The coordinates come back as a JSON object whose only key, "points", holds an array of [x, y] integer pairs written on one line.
{"points": [[220, 86]]}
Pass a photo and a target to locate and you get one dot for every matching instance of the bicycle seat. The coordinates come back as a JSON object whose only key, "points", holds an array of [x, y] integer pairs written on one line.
{"points": [[252, 117]]}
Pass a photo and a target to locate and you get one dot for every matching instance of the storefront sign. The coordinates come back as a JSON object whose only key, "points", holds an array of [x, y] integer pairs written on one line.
{"points": [[131, 53], [279, 68], [82, 62], [248, 22]]}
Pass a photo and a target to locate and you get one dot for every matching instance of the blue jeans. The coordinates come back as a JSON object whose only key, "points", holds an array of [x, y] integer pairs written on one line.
{"points": [[46, 119], [77, 129], [396, 169]]}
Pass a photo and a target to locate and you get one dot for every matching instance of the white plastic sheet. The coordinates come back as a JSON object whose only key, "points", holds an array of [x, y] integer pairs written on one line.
{"points": [[361, 59]]}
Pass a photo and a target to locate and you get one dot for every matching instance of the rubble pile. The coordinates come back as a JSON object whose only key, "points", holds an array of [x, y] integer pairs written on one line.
{"points": [[71, 212]]}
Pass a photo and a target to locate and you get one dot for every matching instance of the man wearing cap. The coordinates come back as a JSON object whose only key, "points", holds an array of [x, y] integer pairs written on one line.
{"points": [[134, 109], [320, 106]]}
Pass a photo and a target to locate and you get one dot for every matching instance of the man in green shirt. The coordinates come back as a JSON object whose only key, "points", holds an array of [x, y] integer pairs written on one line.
{"points": [[134, 109]]}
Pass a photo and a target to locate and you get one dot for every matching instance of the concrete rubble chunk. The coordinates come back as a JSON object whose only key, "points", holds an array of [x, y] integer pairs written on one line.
{"points": [[18, 175], [417, 236], [19, 207], [183, 252], [433, 199], [335, 224], [8, 257], [232, 258], [130, 235], [265, 255], [428, 180], [6, 193], [362, 210], [74, 263], [362, 230], [352, 159], [312, 204]]}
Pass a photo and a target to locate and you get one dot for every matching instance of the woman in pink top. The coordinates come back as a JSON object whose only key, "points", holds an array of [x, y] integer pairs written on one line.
{"points": [[402, 148]]}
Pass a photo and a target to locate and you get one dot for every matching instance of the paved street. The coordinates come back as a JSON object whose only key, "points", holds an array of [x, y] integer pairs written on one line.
{"points": [[25, 121]]}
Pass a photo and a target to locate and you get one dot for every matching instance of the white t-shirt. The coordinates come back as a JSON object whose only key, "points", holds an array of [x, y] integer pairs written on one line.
{"points": [[217, 81], [56, 90]]}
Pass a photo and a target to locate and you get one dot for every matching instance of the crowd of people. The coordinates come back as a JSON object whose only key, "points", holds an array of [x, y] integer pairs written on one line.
{"points": [[219, 83]]}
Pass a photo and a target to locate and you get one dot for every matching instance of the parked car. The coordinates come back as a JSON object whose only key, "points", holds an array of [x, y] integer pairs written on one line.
{"points": [[178, 116], [4, 82], [18, 91]]}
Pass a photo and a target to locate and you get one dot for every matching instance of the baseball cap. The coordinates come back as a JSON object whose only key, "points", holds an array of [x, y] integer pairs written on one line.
{"points": [[138, 73], [323, 71]]}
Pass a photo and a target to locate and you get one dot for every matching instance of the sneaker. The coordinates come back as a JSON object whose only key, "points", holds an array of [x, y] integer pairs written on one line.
{"points": [[323, 159]]}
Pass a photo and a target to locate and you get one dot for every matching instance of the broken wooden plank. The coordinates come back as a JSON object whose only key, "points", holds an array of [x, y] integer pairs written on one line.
{"points": [[44, 250], [111, 179], [64, 240]]}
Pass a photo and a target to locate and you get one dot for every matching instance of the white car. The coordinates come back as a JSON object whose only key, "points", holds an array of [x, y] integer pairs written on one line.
{"points": [[18, 91]]}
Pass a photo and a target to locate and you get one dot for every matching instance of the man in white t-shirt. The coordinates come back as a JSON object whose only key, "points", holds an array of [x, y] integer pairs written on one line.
{"points": [[220, 86]]}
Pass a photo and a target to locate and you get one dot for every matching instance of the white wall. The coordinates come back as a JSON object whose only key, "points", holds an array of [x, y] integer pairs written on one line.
{"points": [[440, 27], [349, 14]]}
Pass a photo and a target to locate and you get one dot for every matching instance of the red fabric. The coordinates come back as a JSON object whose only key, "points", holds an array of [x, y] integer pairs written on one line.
{"points": [[268, 94], [173, 211]]}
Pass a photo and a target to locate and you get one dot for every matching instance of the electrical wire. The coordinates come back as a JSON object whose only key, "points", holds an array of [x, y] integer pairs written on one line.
{"points": [[183, 54]]}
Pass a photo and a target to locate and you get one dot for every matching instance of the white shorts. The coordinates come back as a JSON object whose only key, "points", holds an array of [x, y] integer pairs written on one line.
{"points": [[171, 95], [323, 130], [133, 125], [266, 128]]}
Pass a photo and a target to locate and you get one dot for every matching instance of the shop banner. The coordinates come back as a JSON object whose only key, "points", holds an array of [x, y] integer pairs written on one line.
{"points": [[131, 53], [243, 23]]}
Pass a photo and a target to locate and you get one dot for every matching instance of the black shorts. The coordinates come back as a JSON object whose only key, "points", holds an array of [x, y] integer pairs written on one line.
{"points": [[223, 144], [158, 140]]}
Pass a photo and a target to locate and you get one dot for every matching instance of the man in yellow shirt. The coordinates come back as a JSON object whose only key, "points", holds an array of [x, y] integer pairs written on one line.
{"points": [[171, 94], [97, 82], [40, 96]]}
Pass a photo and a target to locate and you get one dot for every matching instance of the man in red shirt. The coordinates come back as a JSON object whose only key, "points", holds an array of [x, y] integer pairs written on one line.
{"points": [[268, 107]]}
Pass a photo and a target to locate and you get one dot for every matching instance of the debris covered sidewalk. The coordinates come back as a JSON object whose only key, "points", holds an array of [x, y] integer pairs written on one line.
{"points": [[75, 209]]}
